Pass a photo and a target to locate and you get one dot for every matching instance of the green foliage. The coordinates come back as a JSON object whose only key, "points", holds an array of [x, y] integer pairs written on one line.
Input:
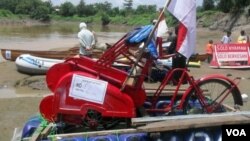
{"points": [[225, 5], [67, 9], [234, 6], [49, 5], [41, 13], [5, 13], [105, 19], [114, 12], [208, 4], [8, 5], [80, 8], [128, 4], [143, 9]]}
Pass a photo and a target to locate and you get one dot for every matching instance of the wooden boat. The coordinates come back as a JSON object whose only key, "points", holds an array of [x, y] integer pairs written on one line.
{"points": [[198, 57], [33, 65], [12, 54]]}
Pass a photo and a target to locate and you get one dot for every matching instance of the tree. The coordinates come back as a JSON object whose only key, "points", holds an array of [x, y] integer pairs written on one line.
{"points": [[115, 11], [104, 7], [49, 5], [128, 4], [208, 4], [67, 9], [105, 19], [90, 10], [232, 5], [142, 9], [9, 5], [80, 9], [41, 13]]}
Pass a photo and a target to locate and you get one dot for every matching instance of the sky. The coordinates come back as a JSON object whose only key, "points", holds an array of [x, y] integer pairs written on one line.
{"points": [[119, 3]]}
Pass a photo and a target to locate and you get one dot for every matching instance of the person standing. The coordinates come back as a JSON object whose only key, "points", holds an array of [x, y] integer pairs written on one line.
{"points": [[178, 61], [86, 39], [226, 39], [243, 38], [209, 50]]}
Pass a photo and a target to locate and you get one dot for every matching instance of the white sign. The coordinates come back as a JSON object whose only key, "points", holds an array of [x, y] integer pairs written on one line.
{"points": [[232, 56], [8, 54], [88, 89]]}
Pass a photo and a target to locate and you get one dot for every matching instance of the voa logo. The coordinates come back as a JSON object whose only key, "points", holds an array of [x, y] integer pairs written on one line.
{"points": [[236, 132]]}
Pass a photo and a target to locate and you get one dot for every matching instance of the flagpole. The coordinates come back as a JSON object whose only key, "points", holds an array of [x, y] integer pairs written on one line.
{"points": [[146, 44]]}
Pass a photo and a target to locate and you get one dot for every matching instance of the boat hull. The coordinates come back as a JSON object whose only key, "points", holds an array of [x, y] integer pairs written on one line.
{"points": [[12, 54], [33, 65]]}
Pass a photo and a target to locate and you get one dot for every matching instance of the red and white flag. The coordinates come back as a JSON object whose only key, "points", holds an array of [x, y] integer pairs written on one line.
{"points": [[185, 12]]}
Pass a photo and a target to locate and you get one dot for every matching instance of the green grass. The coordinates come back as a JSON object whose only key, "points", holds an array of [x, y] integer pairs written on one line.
{"points": [[207, 17]]}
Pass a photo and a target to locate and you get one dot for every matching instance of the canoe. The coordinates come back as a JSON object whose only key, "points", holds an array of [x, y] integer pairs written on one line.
{"points": [[12, 54], [33, 65], [198, 57]]}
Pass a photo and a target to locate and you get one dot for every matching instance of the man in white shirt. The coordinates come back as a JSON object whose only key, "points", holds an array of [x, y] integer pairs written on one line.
{"points": [[86, 39], [226, 39]]}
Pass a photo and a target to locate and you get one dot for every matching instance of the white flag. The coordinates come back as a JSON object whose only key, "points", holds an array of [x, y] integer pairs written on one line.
{"points": [[162, 28], [185, 12]]}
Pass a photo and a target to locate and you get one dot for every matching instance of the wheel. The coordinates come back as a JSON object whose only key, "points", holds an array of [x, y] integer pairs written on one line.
{"points": [[217, 95], [94, 121]]}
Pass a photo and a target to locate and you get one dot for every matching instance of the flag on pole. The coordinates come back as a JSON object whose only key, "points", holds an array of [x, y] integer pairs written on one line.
{"points": [[185, 12]]}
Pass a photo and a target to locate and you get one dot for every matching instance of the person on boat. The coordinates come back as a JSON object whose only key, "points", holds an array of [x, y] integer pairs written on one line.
{"points": [[86, 39], [243, 38], [209, 50], [226, 39]]}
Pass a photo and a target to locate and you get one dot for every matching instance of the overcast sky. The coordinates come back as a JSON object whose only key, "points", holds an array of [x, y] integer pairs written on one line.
{"points": [[119, 3]]}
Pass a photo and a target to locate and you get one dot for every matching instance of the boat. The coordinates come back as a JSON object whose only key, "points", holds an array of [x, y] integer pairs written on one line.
{"points": [[34, 65], [12, 54], [198, 57]]}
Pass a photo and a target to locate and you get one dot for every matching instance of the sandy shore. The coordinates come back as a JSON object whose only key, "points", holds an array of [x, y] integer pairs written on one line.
{"points": [[20, 99]]}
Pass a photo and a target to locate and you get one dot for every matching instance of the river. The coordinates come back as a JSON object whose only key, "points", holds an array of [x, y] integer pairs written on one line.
{"points": [[44, 37]]}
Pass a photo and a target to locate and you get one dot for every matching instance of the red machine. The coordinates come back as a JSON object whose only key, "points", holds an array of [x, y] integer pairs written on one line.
{"points": [[97, 95], [117, 103]]}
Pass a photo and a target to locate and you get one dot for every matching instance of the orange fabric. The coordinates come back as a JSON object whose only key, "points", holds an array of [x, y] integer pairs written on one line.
{"points": [[209, 48]]}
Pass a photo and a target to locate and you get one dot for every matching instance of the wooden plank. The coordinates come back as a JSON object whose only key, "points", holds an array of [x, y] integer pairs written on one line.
{"points": [[41, 131], [146, 120], [94, 133], [208, 121], [37, 134], [46, 131]]}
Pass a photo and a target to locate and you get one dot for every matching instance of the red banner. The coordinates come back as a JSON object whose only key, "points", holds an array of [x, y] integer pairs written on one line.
{"points": [[231, 55]]}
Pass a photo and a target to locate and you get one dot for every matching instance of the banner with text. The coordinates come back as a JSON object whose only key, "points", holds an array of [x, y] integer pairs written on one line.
{"points": [[231, 55]]}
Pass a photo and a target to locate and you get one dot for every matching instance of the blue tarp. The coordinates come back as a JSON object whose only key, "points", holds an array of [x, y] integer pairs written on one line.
{"points": [[140, 35]]}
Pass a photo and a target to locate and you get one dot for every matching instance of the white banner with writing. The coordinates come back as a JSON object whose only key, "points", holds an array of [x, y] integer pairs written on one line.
{"points": [[88, 89]]}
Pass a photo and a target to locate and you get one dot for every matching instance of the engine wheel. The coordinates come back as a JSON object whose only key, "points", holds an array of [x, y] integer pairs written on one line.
{"points": [[217, 95], [94, 121]]}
